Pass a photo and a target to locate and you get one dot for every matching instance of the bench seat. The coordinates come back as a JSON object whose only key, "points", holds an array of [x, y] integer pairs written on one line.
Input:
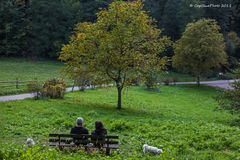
{"points": [[74, 141]]}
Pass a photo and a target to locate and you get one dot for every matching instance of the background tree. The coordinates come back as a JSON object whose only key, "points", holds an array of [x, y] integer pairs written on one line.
{"points": [[38, 28], [11, 21], [233, 45], [235, 17], [121, 44], [221, 14], [187, 14], [201, 49], [170, 22]]}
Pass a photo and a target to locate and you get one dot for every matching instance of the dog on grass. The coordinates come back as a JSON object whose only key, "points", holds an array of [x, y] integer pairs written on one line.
{"points": [[151, 149], [30, 142]]}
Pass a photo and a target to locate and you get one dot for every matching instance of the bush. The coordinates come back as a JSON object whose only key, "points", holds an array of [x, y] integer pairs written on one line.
{"points": [[36, 87], [167, 81], [54, 88]]}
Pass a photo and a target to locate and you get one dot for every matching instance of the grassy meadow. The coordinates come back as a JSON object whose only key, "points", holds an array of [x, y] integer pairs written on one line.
{"points": [[24, 69], [183, 119]]}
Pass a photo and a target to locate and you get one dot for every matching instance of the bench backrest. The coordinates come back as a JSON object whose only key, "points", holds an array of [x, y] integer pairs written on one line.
{"points": [[82, 139]]}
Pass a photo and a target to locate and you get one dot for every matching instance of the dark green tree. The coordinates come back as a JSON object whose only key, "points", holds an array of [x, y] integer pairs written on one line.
{"points": [[188, 13], [170, 23], [201, 49]]}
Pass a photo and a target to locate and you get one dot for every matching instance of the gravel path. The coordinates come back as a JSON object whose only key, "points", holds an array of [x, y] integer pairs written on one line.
{"points": [[225, 84]]}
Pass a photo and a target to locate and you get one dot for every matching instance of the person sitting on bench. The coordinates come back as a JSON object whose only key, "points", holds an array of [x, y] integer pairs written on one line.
{"points": [[99, 131], [78, 129]]}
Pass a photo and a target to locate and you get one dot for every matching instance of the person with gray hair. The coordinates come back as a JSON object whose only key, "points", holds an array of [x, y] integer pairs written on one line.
{"points": [[79, 129]]}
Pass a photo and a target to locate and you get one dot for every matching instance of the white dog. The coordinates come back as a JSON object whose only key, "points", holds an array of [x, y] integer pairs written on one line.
{"points": [[151, 149], [30, 142]]}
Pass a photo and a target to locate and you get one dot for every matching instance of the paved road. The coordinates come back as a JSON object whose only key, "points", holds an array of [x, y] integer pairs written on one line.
{"points": [[31, 95], [225, 84]]}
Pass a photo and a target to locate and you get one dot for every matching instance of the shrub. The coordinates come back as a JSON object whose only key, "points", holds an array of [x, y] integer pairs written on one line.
{"points": [[36, 87], [167, 81], [54, 88]]}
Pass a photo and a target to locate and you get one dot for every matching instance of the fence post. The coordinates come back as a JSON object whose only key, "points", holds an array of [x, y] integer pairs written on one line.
{"points": [[73, 85], [17, 82]]}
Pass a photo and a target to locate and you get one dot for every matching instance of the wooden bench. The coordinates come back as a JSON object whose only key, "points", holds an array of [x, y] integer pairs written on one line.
{"points": [[77, 141]]}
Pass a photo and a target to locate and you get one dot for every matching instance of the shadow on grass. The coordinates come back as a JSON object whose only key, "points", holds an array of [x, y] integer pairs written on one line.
{"points": [[112, 109]]}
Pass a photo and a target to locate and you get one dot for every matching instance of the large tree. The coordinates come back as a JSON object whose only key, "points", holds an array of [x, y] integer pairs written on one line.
{"points": [[121, 44], [201, 49]]}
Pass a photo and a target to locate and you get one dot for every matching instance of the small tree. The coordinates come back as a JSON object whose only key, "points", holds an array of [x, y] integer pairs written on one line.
{"points": [[35, 87], [123, 41], [201, 49]]}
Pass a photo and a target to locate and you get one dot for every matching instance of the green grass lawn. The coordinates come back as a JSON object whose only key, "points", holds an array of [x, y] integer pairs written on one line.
{"points": [[23, 69], [183, 119]]}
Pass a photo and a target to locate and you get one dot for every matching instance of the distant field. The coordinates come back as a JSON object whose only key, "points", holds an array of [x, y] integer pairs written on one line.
{"points": [[183, 119], [23, 69]]}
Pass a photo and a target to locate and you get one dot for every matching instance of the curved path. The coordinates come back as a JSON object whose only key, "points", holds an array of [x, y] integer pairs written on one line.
{"points": [[31, 95], [225, 84]]}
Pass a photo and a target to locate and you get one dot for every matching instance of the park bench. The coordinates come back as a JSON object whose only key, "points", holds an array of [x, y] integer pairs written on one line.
{"points": [[77, 141]]}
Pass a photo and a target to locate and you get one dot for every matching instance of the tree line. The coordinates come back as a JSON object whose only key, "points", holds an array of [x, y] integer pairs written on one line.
{"points": [[39, 28]]}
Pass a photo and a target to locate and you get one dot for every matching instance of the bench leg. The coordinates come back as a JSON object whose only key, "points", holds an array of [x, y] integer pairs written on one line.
{"points": [[107, 151], [61, 148]]}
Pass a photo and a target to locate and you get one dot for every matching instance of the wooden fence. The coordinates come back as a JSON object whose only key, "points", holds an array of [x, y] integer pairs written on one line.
{"points": [[16, 83]]}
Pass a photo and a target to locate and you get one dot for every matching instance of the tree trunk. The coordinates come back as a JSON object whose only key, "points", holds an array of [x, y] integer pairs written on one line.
{"points": [[119, 104], [198, 81]]}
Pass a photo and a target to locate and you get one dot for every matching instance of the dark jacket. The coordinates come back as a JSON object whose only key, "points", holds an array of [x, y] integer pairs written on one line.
{"points": [[79, 130], [102, 132]]}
